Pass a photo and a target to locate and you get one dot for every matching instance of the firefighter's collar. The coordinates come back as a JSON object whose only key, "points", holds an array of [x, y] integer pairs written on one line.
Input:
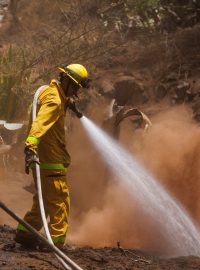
{"points": [[57, 83]]}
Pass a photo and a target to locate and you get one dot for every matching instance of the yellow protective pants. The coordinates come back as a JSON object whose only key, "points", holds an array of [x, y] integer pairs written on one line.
{"points": [[56, 202]]}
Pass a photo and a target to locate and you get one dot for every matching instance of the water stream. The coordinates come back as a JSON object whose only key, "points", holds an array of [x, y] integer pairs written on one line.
{"points": [[178, 227]]}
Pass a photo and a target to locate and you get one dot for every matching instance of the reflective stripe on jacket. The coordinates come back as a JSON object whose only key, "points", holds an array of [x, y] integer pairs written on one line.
{"points": [[47, 132]]}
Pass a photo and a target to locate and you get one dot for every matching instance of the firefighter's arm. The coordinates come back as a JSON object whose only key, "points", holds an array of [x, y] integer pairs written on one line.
{"points": [[48, 114]]}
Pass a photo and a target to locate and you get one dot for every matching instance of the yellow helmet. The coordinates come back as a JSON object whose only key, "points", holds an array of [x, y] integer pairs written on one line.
{"points": [[77, 73]]}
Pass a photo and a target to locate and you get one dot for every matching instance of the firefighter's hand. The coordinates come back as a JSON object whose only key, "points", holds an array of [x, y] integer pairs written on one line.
{"points": [[72, 106], [31, 157]]}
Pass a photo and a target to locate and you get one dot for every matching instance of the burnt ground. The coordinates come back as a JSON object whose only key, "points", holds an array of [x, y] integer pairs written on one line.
{"points": [[14, 257]]}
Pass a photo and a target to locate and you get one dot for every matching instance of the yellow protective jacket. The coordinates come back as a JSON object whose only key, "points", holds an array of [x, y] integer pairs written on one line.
{"points": [[47, 132]]}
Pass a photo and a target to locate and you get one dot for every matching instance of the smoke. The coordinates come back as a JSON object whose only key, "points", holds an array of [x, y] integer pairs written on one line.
{"points": [[170, 149]]}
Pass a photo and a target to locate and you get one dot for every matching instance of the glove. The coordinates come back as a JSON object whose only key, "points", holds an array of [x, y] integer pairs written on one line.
{"points": [[31, 157], [72, 106]]}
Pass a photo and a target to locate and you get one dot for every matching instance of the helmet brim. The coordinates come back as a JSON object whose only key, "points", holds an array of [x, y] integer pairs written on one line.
{"points": [[64, 71]]}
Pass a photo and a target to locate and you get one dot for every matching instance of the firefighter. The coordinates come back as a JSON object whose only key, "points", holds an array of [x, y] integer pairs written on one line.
{"points": [[46, 140]]}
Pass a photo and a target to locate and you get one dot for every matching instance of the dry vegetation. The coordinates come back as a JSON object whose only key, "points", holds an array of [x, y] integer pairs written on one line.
{"points": [[37, 37]]}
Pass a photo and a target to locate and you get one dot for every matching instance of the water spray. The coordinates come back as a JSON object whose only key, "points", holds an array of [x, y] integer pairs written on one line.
{"points": [[156, 202]]}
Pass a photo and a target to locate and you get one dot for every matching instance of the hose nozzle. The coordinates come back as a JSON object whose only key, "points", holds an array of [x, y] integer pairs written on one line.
{"points": [[72, 107]]}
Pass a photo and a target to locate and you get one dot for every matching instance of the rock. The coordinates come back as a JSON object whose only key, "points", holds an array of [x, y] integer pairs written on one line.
{"points": [[161, 91], [4, 3], [179, 92], [129, 92], [171, 77], [196, 109]]}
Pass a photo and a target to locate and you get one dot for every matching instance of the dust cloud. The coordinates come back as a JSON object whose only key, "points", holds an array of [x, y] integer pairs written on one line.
{"points": [[106, 214], [102, 213], [13, 194], [171, 150]]}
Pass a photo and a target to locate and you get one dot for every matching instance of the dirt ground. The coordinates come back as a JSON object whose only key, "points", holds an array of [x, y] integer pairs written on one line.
{"points": [[14, 257]]}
